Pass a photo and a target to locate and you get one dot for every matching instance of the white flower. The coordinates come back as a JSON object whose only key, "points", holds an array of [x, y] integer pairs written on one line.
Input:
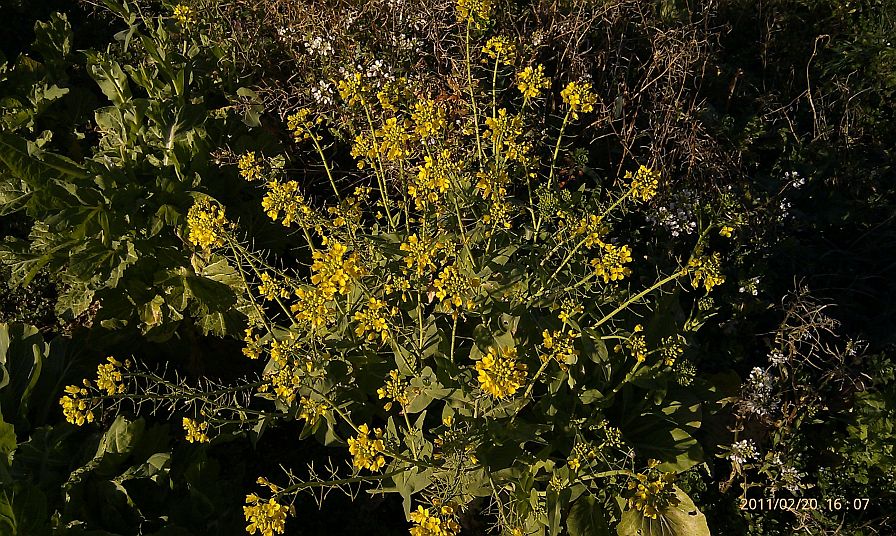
{"points": [[743, 451]]}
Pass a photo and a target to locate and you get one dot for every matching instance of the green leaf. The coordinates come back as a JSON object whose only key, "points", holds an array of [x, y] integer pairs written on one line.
{"points": [[7, 516], [7, 441], [37, 171], [22, 351], [109, 76], [587, 518], [682, 520]]}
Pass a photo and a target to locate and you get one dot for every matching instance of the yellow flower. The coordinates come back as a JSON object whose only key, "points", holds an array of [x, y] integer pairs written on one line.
{"points": [[108, 377], [283, 350], [196, 431], [311, 410], [428, 117], [441, 523], [531, 80], [364, 150], [499, 373], [726, 231], [285, 197], [500, 49], [420, 254], [433, 179], [561, 346], [579, 98], [331, 272], [284, 382], [393, 139], [374, 320], [367, 451], [254, 346], [396, 388], [184, 15], [313, 310], [265, 517], [653, 492], [352, 89], [250, 167], [708, 270], [637, 346], [454, 289], [474, 12], [270, 288], [75, 407], [300, 124], [505, 131], [206, 224], [644, 182], [611, 265]]}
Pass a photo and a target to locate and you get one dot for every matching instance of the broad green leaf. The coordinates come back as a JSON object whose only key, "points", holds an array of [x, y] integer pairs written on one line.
{"points": [[22, 351], [681, 520], [587, 518], [7, 516]]}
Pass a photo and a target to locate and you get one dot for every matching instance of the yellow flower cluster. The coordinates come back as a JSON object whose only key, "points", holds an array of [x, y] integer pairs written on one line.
{"points": [[707, 270], [283, 350], [364, 150], [206, 224], [593, 229], [506, 130], [442, 523], [352, 89], [637, 344], [196, 431], [254, 347], [500, 375], [474, 12], [75, 407], [184, 15], [367, 451], [285, 197], [311, 410], [611, 264], [393, 92], [397, 389], [251, 168], [491, 182], [373, 320], [499, 215], [108, 377], [671, 349], [300, 123], [420, 254], [454, 288], [581, 452], [265, 517], [270, 288], [332, 272], [644, 182], [500, 49], [285, 383], [433, 178], [579, 97], [393, 137], [428, 117], [531, 80], [726, 231], [653, 493], [313, 309], [561, 346], [568, 309]]}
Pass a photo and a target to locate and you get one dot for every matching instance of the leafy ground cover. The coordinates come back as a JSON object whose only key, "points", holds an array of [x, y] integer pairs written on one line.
{"points": [[480, 267]]}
